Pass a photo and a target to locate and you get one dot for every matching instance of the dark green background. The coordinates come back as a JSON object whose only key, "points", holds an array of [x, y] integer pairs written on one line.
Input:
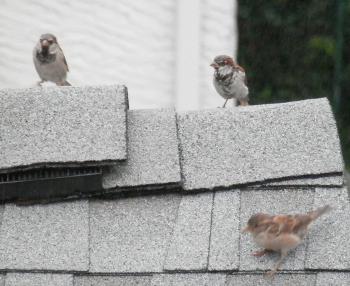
{"points": [[288, 49]]}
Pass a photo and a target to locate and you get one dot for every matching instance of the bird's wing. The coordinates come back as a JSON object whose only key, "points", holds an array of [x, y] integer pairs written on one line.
{"points": [[63, 57], [241, 69]]}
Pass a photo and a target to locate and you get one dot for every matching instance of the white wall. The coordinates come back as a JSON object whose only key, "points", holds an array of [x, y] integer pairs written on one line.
{"points": [[142, 44]]}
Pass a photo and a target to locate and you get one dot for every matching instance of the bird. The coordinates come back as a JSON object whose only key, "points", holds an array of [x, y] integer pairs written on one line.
{"points": [[230, 80], [49, 61], [280, 233]]}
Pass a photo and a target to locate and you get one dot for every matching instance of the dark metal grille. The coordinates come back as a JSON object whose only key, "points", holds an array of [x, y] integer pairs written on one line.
{"points": [[50, 183]]}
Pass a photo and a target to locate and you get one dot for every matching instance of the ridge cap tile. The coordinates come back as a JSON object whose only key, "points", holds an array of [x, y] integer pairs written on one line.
{"points": [[60, 126], [153, 157], [221, 148]]}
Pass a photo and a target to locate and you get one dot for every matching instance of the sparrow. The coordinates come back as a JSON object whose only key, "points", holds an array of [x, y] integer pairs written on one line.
{"points": [[230, 80], [280, 233], [49, 60]]}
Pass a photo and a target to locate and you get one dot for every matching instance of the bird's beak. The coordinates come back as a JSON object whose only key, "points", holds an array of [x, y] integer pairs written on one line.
{"points": [[214, 65], [245, 230], [45, 44]]}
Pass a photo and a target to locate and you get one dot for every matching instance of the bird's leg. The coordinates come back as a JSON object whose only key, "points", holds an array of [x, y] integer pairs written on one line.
{"points": [[40, 82], [225, 103], [273, 271], [260, 252]]}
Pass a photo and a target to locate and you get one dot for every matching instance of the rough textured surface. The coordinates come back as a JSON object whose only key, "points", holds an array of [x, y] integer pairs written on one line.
{"points": [[38, 279], [50, 237], [189, 246], [329, 243], [131, 235], [152, 151], [224, 238], [272, 202], [66, 125], [224, 147], [189, 280], [333, 279], [331, 180], [278, 280], [112, 281], [2, 280]]}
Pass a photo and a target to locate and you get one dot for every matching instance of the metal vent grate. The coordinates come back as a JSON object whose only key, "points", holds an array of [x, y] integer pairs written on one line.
{"points": [[47, 174], [49, 182]]}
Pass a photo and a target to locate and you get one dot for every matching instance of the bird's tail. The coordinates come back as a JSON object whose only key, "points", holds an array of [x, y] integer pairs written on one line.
{"points": [[66, 83], [318, 212]]}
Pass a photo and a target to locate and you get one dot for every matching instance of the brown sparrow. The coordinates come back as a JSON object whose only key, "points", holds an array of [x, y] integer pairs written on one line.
{"points": [[230, 79], [280, 233], [49, 60]]}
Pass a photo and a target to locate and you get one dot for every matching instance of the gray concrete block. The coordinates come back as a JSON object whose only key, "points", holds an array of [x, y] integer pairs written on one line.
{"points": [[62, 126], [38, 279], [132, 234], [278, 280], [203, 279], [224, 238], [272, 202], [325, 180], [45, 237], [333, 279], [225, 147], [329, 243], [112, 281], [153, 157], [189, 247]]}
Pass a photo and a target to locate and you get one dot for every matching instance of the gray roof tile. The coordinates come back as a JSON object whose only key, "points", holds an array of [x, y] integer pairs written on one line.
{"points": [[329, 243], [333, 279], [225, 147], [45, 237], [112, 281], [2, 280], [189, 280], [278, 280], [273, 202], [325, 180], [152, 151], [224, 238], [38, 279], [131, 235], [62, 125], [189, 246]]}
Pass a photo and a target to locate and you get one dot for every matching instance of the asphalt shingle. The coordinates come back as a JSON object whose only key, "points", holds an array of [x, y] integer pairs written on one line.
{"points": [[329, 243], [2, 280], [62, 126], [112, 281], [45, 237], [189, 246], [38, 279], [278, 280], [225, 147], [224, 238], [131, 235], [333, 279], [325, 180], [153, 157], [272, 202], [189, 280]]}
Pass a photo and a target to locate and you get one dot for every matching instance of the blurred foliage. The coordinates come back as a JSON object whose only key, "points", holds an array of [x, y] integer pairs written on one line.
{"points": [[288, 50]]}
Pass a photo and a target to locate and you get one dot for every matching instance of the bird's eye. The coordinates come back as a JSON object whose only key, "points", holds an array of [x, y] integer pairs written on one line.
{"points": [[50, 41]]}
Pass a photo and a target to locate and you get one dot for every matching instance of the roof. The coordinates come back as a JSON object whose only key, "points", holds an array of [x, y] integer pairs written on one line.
{"points": [[172, 212]]}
